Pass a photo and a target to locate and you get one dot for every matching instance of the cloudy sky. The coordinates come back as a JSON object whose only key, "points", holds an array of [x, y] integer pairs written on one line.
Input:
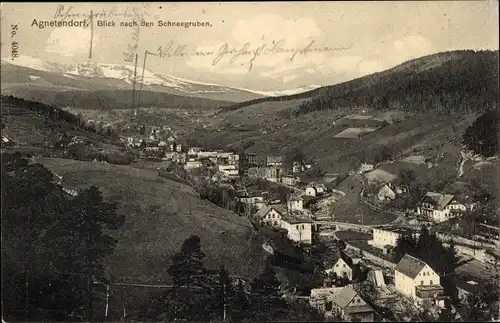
{"points": [[261, 46]]}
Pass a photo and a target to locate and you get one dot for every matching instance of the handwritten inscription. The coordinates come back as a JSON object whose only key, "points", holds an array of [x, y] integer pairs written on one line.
{"points": [[62, 13], [131, 50], [246, 53]]}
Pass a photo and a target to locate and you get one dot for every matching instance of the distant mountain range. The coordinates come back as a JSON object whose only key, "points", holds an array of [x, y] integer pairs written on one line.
{"points": [[90, 76]]}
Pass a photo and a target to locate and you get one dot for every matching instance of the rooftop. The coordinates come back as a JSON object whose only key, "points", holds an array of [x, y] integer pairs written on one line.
{"points": [[396, 229], [429, 288], [410, 266], [438, 200], [294, 219]]}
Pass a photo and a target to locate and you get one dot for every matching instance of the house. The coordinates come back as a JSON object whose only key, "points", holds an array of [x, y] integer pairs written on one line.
{"points": [[385, 193], [352, 306], [273, 173], [290, 180], [310, 191], [295, 203], [193, 164], [258, 172], [320, 188], [440, 207], [274, 161], [388, 235], [417, 280], [297, 167], [256, 200], [193, 151], [270, 216], [322, 299], [343, 267], [249, 160], [299, 229], [229, 170]]}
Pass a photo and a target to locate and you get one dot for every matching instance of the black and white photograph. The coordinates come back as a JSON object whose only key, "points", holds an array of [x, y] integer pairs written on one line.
{"points": [[294, 161]]}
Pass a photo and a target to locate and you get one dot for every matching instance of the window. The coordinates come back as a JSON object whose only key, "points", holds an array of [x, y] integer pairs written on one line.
{"points": [[297, 226], [421, 282], [431, 283], [302, 227], [343, 266]]}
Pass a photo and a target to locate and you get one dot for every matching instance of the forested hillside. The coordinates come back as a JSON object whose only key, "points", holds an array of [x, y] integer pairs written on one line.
{"points": [[458, 81]]}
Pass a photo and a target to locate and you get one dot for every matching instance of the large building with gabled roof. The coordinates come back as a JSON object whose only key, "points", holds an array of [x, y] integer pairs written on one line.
{"points": [[414, 278]]}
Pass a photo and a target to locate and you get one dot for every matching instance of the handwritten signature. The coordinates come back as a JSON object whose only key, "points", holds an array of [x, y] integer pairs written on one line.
{"points": [[247, 50], [64, 13]]}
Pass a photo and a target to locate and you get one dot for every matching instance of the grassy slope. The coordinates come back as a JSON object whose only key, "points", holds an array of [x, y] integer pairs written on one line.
{"points": [[31, 134], [160, 215]]}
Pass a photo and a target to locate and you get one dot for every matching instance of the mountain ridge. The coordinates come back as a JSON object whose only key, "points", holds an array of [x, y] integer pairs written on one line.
{"points": [[488, 63], [125, 73]]}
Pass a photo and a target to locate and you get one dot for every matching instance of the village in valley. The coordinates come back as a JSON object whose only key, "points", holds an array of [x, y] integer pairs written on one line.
{"points": [[314, 161], [292, 203]]}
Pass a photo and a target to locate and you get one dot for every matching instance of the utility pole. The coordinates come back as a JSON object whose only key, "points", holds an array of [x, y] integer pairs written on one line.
{"points": [[224, 313], [91, 18], [142, 77], [135, 78], [107, 301]]}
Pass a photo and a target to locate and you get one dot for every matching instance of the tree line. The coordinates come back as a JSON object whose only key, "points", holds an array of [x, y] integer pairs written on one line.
{"points": [[199, 294], [56, 114], [53, 245], [482, 136], [465, 82]]}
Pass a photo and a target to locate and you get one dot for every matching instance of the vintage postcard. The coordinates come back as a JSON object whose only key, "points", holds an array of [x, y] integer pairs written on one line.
{"points": [[250, 161]]}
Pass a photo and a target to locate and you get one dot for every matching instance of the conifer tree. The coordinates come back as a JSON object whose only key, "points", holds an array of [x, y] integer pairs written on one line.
{"points": [[191, 294]]}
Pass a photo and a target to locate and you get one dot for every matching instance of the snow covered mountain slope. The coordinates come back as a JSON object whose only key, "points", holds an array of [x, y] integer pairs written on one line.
{"points": [[122, 76]]}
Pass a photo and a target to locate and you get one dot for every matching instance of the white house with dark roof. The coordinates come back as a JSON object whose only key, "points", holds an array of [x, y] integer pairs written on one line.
{"points": [[299, 229], [385, 193], [440, 207], [295, 203], [387, 236], [417, 280], [320, 188], [352, 306], [270, 215], [310, 191], [343, 267]]}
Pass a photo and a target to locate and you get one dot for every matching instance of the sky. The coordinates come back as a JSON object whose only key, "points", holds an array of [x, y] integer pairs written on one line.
{"points": [[261, 46]]}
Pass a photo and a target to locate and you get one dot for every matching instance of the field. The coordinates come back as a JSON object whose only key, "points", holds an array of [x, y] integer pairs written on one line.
{"points": [[354, 133], [160, 214], [380, 176], [359, 117], [36, 134], [315, 134], [350, 209], [415, 159]]}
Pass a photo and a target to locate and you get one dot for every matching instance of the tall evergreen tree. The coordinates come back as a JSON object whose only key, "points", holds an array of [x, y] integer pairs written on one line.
{"points": [[265, 298], [190, 297], [91, 219]]}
